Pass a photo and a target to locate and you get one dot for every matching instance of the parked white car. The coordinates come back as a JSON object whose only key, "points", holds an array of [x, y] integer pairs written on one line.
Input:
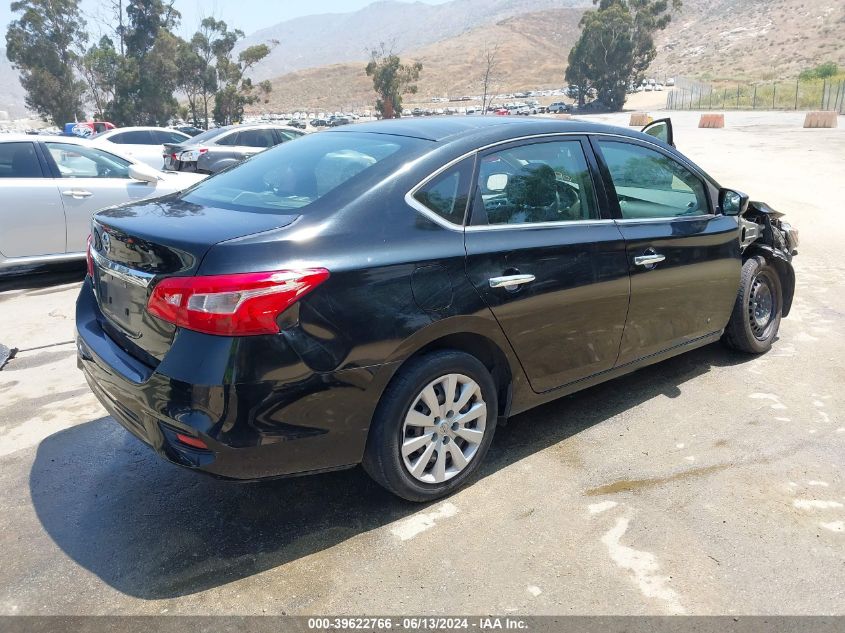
{"points": [[145, 144], [51, 185]]}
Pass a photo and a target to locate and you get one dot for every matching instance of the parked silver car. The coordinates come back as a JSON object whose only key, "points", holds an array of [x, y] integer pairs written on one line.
{"points": [[51, 185], [222, 147]]}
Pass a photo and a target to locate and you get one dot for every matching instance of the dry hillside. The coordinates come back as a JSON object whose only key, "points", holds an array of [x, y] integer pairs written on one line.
{"points": [[531, 50], [708, 39], [752, 39]]}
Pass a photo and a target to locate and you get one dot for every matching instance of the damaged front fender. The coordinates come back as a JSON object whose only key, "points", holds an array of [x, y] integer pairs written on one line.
{"points": [[763, 232]]}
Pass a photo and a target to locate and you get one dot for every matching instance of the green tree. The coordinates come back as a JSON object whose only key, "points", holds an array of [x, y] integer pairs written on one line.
{"points": [[235, 89], [391, 80], [100, 66], [616, 47], [147, 77], [43, 44], [822, 71]]}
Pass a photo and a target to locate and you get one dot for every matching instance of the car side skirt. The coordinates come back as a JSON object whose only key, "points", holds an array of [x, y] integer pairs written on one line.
{"points": [[36, 260], [523, 404]]}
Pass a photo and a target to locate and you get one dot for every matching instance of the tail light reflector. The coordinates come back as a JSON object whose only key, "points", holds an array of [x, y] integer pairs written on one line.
{"points": [[232, 305], [193, 442], [89, 259]]}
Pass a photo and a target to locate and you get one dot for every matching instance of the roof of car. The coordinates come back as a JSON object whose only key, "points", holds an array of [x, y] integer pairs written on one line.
{"points": [[491, 127], [12, 138], [136, 128]]}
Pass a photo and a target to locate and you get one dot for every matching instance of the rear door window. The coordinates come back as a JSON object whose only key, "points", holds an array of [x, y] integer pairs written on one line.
{"points": [[133, 137], [257, 138], [228, 140], [19, 160], [537, 182], [169, 136]]}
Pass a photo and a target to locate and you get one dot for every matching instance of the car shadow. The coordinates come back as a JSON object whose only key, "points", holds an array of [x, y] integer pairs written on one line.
{"points": [[42, 276], [152, 530]]}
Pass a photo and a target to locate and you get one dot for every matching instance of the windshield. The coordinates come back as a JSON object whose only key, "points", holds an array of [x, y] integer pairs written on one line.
{"points": [[294, 175]]}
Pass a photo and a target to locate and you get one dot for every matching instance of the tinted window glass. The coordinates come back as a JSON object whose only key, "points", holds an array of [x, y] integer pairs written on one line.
{"points": [[207, 136], [135, 137], [79, 161], [288, 135], [168, 136], [294, 175], [229, 139], [650, 184], [18, 160], [257, 138], [540, 182], [446, 195]]}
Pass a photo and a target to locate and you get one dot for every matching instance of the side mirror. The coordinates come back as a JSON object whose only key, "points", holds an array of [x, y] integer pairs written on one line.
{"points": [[732, 202], [144, 173], [497, 182]]}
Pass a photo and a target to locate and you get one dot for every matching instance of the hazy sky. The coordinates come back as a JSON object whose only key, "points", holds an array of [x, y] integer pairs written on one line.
{"points": [[247, 15]]}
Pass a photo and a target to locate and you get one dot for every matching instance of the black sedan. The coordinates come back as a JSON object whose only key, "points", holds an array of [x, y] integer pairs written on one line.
{"points": [[386, 293]]}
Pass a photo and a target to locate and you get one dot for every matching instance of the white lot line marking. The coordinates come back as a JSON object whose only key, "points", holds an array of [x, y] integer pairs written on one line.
{"points": [[690, 458], [642, 566], [776, 403], [818, 403], [815, 504], [841, 429], [681, 445], [764, 396], [814, 482], [783, 419], [533, 590], [825, 417], [595, 508], [834, 526], [418, 523]]}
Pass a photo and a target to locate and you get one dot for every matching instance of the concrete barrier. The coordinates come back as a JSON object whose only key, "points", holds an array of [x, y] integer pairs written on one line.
{"points": [[712, 121], [639, 119], [821, 119]]}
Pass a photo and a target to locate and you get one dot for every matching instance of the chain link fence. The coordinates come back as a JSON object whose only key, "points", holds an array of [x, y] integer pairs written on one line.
{"points": [[827, 94]]}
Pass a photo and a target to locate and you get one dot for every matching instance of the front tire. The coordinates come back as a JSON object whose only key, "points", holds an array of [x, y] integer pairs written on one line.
{"points": [[756, 316], [433, 426]]}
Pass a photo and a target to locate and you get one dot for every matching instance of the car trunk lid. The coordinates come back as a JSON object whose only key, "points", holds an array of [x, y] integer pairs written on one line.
{"points": [[134, 246]]}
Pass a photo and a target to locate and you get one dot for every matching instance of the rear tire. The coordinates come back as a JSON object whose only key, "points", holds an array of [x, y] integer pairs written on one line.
{"points": [[756, 316], [433, 426]]}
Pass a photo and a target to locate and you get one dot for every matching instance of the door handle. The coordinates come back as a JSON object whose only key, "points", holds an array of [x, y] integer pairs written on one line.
{"points": [[649, 260], [77, 193], [510, 282]]}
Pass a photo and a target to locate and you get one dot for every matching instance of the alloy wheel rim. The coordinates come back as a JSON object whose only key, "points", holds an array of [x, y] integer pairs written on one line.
{"points": [[761, 306], [443, 428]]}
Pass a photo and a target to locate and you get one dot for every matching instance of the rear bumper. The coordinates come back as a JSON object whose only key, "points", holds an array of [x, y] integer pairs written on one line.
{"points": [[304, 421]]}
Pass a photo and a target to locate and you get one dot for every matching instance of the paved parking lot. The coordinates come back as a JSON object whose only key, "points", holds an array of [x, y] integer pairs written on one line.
{"points": [[712, 483]]}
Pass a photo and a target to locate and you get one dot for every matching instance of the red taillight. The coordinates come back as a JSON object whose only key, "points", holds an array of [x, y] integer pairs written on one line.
{"points": [[193, 442], [89, 258], [232, 305]]}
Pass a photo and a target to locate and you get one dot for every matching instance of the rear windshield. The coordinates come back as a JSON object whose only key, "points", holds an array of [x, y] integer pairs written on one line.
{"points": [[294, 175], [206, 136]]}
